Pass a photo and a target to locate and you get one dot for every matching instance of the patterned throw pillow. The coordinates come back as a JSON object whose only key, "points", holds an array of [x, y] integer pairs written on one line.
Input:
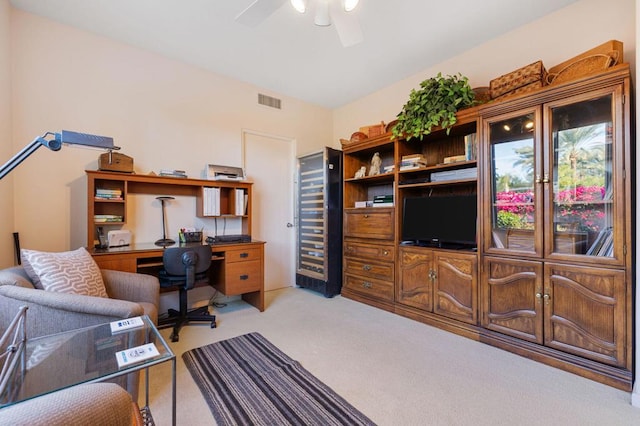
{"points": [[65, 272]]}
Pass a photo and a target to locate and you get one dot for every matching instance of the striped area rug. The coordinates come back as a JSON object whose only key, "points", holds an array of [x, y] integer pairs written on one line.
{"points": [[246, 380]]}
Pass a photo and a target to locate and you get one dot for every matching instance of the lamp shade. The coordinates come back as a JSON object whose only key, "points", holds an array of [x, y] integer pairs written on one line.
{"points": [[322, 17], [299, 5], [349, 5]]}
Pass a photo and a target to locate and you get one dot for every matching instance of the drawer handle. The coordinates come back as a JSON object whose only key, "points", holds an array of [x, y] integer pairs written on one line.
{"points": [[366, 267], [366, 216], [366, 284], [243, 255], [244, 277], [385, 252]]}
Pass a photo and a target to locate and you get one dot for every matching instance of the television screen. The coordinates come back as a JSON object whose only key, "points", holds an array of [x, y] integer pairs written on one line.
{"points": [[440, 221]]}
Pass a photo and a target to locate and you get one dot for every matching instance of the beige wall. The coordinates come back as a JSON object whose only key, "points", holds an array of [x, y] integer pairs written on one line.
{"points": [[162, 113], [6, 151], [552, 39]]}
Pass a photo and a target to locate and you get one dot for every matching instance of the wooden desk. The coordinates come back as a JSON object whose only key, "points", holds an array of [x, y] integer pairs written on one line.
{"points": [[236, 268]]}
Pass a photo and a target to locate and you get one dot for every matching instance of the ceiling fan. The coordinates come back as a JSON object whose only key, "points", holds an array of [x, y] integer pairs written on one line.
{"points": [[326, 12]]}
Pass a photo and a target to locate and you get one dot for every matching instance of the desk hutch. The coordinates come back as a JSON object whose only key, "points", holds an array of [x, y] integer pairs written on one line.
{"points": [[237, 268]]}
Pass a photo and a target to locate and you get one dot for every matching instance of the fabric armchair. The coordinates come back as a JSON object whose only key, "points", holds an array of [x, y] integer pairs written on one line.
{"points": [[98, 404], [130, 295]]}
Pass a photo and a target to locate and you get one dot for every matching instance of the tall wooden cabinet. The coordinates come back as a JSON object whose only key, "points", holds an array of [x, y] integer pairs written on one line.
{"points": [[551, 278], [556, 209], [369, 232]]}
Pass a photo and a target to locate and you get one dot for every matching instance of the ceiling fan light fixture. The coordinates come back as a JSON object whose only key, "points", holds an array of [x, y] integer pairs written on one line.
{"points": [[299, 5], [322, 18], [349, 5]]}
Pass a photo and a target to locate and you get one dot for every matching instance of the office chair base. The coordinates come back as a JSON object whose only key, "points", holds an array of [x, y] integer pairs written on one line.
{"points": [[177, 320]]}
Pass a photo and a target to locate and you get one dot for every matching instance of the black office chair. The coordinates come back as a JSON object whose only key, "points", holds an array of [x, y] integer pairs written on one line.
{"points": [[183, 268]]}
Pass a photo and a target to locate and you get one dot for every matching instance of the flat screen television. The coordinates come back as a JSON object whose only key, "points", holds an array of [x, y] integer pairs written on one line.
{"points": [[447, 221]]}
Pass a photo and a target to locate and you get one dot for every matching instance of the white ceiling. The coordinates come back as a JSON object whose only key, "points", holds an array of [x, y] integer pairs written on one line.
{"points": [[290, 56]]}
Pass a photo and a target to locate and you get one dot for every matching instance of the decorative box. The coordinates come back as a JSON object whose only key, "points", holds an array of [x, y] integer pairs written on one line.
{"points": [[115, 162], [532, 73], [190, 237]]}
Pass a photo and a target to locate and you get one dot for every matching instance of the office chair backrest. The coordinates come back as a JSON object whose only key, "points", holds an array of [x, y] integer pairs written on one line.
{"points": [[187, 262]]}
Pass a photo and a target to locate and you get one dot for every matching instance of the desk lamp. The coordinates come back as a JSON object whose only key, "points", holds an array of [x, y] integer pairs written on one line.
{"points": [[164, 241], [55, 143]]}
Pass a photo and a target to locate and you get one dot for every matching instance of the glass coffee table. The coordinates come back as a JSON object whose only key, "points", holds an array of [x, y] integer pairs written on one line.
{"points": [[55, 362]]}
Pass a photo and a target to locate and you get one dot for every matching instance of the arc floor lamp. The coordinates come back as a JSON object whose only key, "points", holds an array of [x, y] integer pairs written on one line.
{"points": [[54, 142]]}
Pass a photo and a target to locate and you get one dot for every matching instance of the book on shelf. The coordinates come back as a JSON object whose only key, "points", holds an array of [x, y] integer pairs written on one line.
{"points": [[468, 173], [412, 161], [455, 159], [107, 218], [471, 146], [412, 157], [173, 173], [385, 200], [108, 194], [240, 205], [211, 201], [102, 191], [603, 244]]}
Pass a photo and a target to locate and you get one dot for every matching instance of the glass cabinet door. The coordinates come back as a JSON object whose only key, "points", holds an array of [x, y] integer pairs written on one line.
{"points": [[311, 232], [582, 189], [515, 199]]}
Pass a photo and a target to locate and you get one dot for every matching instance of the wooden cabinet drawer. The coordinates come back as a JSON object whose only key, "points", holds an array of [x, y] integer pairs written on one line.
{"points": [[243, 277], [383, 271], [380, 252], [370, 287], [369, 223], [243, 254]]}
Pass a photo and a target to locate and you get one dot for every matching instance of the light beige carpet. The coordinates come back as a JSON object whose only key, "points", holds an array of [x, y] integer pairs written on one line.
{"points": [[395, 370]]}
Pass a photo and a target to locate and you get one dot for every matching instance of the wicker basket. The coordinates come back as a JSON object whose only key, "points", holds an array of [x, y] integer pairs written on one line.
{"points": [[590, 62], [374, 130], [507, 83], [520, 90]]}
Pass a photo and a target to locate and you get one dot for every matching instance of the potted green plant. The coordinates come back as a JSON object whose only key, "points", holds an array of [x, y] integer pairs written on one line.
{"points": [[434, 104]]}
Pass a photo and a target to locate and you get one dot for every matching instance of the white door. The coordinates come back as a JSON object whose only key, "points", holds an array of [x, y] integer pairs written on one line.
{"points": [[269, 161]]}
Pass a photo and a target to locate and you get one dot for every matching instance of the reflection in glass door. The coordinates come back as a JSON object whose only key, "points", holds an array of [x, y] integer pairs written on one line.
{"points": [[311, 232], [514, 193], [582, 136]]}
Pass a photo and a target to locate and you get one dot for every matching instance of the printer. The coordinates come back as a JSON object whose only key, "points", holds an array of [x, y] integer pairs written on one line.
{"points": [[217, 172]]}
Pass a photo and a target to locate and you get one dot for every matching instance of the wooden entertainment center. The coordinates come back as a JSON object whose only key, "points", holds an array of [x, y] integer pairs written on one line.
{"points": [[551, 275], [237, 267]]}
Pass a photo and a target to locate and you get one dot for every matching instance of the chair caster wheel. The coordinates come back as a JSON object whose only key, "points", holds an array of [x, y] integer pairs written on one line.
{"points": [[213, 325], [175, 338]]}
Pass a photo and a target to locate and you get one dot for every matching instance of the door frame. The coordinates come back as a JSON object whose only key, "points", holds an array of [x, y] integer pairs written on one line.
{"points": [[293, 152]]}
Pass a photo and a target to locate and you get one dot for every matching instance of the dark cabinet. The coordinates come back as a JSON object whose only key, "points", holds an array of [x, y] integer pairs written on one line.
{"points": [[319, 222]]}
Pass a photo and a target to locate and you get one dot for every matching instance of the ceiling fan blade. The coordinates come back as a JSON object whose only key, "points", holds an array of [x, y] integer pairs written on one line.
{"points": [[348, 27], [258, 11]]}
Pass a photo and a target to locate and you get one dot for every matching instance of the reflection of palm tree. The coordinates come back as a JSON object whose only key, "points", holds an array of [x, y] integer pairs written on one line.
{"points": [[502, 182], [579, 147], [526, 160]]}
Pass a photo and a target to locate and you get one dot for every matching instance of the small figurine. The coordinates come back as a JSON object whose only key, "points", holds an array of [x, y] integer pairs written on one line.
{"points": [[361, 173], [376, 162]]}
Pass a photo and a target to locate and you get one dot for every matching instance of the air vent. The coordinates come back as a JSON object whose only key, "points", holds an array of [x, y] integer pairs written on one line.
{"points": [[269, 101]]}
